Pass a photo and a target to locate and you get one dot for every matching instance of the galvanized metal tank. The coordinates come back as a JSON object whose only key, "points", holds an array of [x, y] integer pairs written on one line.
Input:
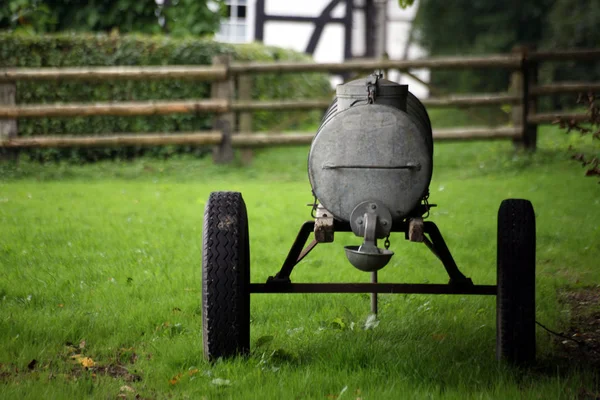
{"points": [[374, 144]]}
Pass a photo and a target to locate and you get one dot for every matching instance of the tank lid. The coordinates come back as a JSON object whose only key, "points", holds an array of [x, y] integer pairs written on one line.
{"points": [[358, 88]]}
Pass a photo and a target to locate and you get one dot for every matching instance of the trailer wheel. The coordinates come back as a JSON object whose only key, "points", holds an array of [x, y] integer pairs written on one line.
{"points": [[225, 277], [515, 303]]}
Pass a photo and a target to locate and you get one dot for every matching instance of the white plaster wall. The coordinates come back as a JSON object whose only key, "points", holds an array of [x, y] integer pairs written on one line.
{"points": [[294, 35], [397, 34], [303, 8]]}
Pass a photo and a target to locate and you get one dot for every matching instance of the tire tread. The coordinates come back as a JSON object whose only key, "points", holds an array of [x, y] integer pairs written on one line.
{"points": [[225, 277], [515, 302]]}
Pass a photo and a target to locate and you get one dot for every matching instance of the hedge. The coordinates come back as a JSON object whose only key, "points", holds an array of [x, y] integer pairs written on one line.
{"points": [[70, 50]]}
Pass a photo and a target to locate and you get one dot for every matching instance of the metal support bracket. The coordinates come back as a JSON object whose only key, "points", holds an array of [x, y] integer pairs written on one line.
{"points": [[435, 242], [324, 232], [438, 247], [283, 276]]}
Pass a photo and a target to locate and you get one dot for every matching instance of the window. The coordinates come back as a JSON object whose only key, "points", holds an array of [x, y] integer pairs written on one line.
{"points": [[233, 28]]}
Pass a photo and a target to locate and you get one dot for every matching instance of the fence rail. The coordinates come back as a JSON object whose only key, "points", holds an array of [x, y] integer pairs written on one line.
{"points": [[242, 139], [543, 118], [521, 96], [565, 87], [221, 72], [205, 73], [137, 108], [565, 55]]}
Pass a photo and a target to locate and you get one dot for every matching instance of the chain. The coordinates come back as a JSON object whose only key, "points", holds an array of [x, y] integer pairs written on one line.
{"points": [[314, 207], [371, 94], [372, 86], [387, 242], [426, 204]]}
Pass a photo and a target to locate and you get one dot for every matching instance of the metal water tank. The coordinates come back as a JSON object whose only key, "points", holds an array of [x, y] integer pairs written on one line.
{"points": [[374, 144]]}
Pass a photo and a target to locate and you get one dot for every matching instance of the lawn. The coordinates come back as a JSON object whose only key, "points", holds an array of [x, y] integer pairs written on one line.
{"points": [[100, 288]]}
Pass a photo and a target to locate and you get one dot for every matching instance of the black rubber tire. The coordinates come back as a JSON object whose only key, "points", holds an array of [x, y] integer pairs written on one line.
{"points": [[225, 277], [515, 303]]}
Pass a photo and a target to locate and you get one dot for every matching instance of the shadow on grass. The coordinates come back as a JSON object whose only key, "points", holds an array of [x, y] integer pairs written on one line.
{"points": [[452, 361]]}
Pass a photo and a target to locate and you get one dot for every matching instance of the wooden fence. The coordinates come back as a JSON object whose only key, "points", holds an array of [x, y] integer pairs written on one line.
{"points": [[522, 95]]}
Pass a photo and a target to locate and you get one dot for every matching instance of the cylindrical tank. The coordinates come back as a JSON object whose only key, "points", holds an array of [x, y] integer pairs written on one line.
{"points": [[374, 144]]}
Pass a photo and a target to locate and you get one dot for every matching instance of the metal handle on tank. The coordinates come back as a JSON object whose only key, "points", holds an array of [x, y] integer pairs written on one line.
{"points": [[415, 166]]}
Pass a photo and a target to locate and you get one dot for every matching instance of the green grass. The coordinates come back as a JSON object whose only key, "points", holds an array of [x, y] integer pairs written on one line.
{"points": [[109, 254]]}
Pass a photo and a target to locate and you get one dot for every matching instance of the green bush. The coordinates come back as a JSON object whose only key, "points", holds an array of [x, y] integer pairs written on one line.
{"points": [[69, 50], [281, 86]]}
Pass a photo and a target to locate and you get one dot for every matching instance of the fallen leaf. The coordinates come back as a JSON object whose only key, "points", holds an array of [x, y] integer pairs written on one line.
{"points": [[126, 388], [193, 371], [438, 336], [87, 362], [221, 382], [338, 323], [175, 379]]}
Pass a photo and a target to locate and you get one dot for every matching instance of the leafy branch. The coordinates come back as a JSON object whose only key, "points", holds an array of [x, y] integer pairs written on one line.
{"points": [[593, 129]]}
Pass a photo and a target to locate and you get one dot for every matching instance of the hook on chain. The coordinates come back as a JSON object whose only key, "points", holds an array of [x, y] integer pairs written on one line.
{"points": [[426, 204], [314, 206], [372, 86]]}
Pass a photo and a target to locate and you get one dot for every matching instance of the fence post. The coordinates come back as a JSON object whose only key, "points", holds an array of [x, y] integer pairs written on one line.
{"points": [[521, 81], [223, 153], [531, 72], [245, 119], [8, 127]]}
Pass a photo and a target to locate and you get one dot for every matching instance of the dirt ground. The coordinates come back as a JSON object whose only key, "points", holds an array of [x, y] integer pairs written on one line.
{"points": [[578, 346], [581, 341]]}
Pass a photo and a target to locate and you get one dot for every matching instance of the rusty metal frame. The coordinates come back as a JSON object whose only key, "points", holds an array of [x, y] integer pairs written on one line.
{"points": [[459, 283]]}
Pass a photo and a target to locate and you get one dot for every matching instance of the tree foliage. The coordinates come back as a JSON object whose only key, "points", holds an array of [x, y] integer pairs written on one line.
{"points": [[590, 157], [477, 27], [572, 24], [177, 17], [482, 26]]}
